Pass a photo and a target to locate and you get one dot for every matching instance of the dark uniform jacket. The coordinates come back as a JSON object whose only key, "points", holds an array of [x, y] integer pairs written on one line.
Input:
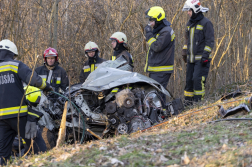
{"points": [[12, 73], [127, 55], [160, 56], [57, 77], [199, 40], [87, 69]]}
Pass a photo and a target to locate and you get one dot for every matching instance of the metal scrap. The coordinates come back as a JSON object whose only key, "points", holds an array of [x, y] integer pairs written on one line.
{"points": [[231, 111]]}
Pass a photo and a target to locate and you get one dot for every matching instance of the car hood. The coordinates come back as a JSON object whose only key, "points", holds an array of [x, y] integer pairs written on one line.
{"points": [[110, 75]]}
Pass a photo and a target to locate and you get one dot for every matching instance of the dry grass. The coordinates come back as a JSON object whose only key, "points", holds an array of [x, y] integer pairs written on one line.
{"points": [[204, 144]]}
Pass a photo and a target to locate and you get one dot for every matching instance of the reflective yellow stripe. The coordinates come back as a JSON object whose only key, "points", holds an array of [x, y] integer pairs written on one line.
{"points": [[30, 113], [185, 47], [87, 70], [188, 94], [113, 58], [23, 141], [160, 68], [208, 49], [128, 88], [151, 41], [58, 80], [43, 84], [173, 36], [9, 68], [191, 44], [199, 27], [115, 90], [12, 110], [44, 79], [92, 67], [199, 92], [198, 57]]}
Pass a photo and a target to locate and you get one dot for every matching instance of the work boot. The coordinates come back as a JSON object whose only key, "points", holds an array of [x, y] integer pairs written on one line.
{"points": [[188, 101]]}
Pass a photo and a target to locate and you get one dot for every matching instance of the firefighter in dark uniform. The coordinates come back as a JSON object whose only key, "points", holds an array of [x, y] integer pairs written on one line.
{"points": [[199, 42], [161, 40], [51, 72], [12, 74], [92, 52], [119, 43]]}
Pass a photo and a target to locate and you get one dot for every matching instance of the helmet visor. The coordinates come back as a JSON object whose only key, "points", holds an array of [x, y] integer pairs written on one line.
{"points": [[186, 7], [91, 50], [51, 55]]}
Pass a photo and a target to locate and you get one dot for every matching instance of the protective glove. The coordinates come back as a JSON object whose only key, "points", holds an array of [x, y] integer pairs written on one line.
{"points": [[204, 61], [147, 29], [184, 58], [30, 130], [48, 89]]}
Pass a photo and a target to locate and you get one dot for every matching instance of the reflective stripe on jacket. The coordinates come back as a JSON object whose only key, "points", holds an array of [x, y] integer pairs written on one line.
{"points": [[160, 56], [57, 77], [12, 74], [88, 69], [127, 55], [199, 40]]}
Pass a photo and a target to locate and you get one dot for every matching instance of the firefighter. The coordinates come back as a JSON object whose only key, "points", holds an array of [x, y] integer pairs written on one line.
{"points": [[161, 40], [92, 52], [119, 43], [199, 42], [12, 74], [51, 72]]}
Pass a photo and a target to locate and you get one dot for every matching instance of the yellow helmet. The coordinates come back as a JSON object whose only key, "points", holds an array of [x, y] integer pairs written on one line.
{"points": [[33, 94], [120, 37], [155, 13]]}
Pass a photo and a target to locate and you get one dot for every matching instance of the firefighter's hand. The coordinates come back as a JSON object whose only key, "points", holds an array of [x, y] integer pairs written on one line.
{"points": [[147, 29], [30, 130], [184, 58], [48, 89], [204, 61]]}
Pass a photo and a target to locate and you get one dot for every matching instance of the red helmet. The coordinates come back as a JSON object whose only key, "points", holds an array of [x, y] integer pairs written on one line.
{"points": [[50, 52]]}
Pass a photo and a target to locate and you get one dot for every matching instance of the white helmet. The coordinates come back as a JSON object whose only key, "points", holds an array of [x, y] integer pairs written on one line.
{"points": [[119, 37], [90, 46], [8, 45], [195, 5]]}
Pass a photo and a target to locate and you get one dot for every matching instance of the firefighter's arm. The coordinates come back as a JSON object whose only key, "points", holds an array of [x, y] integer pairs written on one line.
{"points": [[25, 73], [64, 80], [184, 50], [209, 39], [33, 115], [162, 41], [148, 33], [83, 76]]}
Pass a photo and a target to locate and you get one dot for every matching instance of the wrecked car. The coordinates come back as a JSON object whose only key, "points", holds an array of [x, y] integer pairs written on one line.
{"points": [[111, 101]]}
